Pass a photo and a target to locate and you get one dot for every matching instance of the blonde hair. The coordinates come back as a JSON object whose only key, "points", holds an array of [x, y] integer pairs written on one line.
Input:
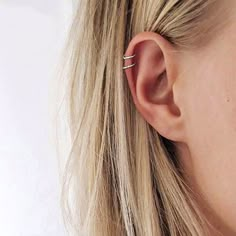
{"points": [[121, 177]]}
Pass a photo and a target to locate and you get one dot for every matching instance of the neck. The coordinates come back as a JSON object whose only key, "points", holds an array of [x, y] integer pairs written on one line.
{"points": [[215, 226]]}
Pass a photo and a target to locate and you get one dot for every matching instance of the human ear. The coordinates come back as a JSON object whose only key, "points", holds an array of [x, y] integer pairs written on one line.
{"points": [[151, 81]]}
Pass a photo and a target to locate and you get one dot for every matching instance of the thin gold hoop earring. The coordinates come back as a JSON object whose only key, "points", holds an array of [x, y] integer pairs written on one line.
{"points": [[128, 57]]}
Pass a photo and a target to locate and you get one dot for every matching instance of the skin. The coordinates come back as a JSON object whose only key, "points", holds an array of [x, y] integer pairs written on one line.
{"points": [[189, 97]]}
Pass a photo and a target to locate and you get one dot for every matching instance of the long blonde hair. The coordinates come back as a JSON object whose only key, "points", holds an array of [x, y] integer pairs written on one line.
{"points": [[121, 177]]}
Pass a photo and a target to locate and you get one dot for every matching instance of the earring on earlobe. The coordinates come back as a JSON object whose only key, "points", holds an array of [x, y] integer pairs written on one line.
{"points": [[128, 57]]}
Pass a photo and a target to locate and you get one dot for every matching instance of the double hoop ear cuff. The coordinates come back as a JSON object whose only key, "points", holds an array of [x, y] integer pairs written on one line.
{"points": [[128, 57]]}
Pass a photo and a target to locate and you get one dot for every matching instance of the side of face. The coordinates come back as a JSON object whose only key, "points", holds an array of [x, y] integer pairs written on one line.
{"points": [[208, 103], [190, 97]]}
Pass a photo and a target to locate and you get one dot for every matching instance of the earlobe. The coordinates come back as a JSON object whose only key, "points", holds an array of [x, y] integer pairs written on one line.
{"points": [[151, 75]]}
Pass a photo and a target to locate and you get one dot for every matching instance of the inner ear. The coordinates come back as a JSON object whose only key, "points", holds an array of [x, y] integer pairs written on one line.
{"points": [[150, 71], [149, 53], [159, 92]]}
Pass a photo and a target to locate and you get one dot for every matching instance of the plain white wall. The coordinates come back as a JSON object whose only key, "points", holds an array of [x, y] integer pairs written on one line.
{"points": [[32, 33]]}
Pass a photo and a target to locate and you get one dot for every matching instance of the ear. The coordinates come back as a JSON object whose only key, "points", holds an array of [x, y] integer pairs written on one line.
{"points": [[152, 81]]}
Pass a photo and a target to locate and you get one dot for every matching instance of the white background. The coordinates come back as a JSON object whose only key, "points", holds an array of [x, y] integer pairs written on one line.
{"points": [[31, 37]]}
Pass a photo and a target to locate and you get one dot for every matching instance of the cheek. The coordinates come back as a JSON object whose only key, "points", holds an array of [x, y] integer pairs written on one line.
{"points": [[212, 141]]}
